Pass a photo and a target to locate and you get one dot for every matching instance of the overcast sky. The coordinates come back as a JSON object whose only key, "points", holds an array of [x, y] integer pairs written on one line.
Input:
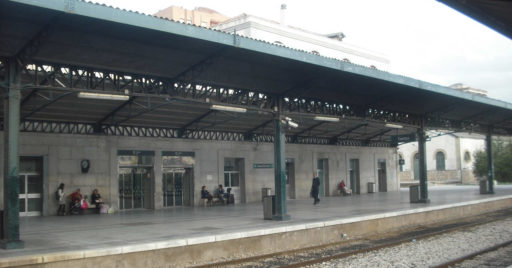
{"points": [[423, 39]]}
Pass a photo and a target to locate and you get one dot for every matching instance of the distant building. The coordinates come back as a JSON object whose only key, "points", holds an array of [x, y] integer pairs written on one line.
{"points": [[200, 16], [279, 33], [449, 158]]}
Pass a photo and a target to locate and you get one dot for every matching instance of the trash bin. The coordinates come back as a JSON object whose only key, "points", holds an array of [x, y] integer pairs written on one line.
{"points": [[269, 207], [265, 192], [371, 187], [484, 187], [414, 193]]}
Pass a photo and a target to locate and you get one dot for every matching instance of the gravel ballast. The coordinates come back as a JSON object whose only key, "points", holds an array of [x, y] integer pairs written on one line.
{"points": [[432, 251]]}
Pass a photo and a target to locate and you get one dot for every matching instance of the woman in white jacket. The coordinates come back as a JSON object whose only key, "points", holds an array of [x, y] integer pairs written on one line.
{"points": [[62, 202]]}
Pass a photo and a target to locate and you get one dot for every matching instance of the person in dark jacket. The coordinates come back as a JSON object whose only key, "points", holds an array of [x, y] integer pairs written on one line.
{"points": [[96, 200], [205, 194], [315, 187]]}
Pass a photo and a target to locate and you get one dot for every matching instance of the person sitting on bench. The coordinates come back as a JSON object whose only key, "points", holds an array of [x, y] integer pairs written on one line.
{"points": [[344, 189], [219, 193], [205, 194], [96, 200]]}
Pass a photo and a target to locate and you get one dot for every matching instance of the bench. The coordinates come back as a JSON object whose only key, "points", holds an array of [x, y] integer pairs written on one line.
{"points": [[214, 201]]}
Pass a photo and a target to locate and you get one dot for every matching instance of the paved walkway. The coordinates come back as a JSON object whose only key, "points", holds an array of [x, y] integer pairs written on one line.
{"points": [[45, 235]]}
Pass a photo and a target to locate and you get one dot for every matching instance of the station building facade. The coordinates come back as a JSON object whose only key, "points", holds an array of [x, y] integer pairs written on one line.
{"points": [[450, 158], [157, 173]]}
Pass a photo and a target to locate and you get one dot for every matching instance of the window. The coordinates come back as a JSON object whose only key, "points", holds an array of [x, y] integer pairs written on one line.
{"points": [[440, 165], [232, 172]]}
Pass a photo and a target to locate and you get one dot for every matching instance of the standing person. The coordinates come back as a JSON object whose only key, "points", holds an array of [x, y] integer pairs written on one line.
{"points": [[315, 187], [62, 203]]}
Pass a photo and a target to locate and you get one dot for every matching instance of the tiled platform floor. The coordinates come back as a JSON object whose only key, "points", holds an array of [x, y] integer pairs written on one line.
{"points": [[46, 235]]}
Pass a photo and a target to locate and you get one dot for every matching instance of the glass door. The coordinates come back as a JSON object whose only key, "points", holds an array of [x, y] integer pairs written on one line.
{"points": [[173, 181], [232, 180], [381, 173], [168, 185], [354, 176], [323, 175], [138, 187], [31, 187], [234, 177], [136, 179], [416, 167], [125, 188]]}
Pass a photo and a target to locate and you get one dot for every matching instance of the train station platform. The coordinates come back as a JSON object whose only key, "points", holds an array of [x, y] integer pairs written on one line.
{"points": [[187, 236]]}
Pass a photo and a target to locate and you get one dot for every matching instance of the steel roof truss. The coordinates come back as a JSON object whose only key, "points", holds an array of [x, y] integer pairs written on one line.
{"points": [[182, 130], [195, 70], [31, 46], [249, 135], [334, 139], [378, 134], [145, 111], [112, 113], [50, 102]]}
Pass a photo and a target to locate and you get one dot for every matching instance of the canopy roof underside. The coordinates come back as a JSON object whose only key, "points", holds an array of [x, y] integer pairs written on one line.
{"points": [[173, 73]]}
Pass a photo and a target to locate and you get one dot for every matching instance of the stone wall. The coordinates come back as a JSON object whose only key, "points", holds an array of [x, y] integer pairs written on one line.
{"points": [[64, 152]]}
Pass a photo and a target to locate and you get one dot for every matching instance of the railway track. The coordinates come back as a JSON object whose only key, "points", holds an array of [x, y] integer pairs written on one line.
{"points": [[320, 254], [474, 255]]}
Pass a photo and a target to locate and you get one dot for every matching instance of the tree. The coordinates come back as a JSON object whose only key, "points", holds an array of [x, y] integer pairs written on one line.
{"points": [[502, 155]]}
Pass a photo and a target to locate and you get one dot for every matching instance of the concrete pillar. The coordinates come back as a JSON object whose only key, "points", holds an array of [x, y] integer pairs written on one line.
{"points": [[490, 161], [11, 216], [422, 151], [279, 170]]}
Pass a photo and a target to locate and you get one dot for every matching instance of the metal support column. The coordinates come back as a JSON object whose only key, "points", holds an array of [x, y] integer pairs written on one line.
{"points": [[279, 169], [422, 151], [490, 161], [11, 215]]}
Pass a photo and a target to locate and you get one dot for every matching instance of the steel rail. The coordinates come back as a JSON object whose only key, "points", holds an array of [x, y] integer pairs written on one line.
{"points": [[473, 255]]}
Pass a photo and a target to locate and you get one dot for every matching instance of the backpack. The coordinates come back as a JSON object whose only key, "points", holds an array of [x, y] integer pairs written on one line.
{"points": [[57, 197]]}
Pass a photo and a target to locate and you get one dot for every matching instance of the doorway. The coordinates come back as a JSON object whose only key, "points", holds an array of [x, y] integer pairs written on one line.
{"points": [[136, 179], [416, 166], [381, 175], [31, 186], [177, 178], [323, 175], [234, 177], [135, 187], [290, 178], [355, 184]]}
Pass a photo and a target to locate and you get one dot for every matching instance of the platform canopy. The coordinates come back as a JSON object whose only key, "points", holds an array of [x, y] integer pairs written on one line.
{"points": [[173, 73], [495, 14]]}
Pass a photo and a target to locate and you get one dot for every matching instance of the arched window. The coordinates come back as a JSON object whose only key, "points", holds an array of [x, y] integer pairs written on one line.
{"points": [[440, 161], [467, 157]]}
